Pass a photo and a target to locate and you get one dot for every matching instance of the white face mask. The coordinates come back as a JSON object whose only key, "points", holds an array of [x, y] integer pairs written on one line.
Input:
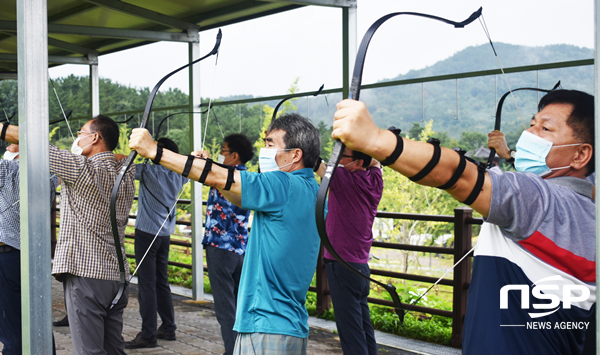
{"points": [[10, 155], [76, 149], [344, 165], [531, 154], [221, 159], [266, 160]]}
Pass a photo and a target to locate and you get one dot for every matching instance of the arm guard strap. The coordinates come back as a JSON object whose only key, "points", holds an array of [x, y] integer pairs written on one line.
{"points": [[478, 185], [458, 172], [207, 169], [188, 165], [230, 171], [435, 159]]}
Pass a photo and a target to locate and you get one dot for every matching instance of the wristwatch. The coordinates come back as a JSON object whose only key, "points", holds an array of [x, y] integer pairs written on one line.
{"points": [[511, 160]]}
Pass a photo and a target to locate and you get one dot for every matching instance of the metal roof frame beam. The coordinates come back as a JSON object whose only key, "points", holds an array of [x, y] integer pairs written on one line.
{"points": [[330, 3], [8, 75], [72, 12], [56, 59], [10, 66], [144, 13], [71, 47], [110, 32]]}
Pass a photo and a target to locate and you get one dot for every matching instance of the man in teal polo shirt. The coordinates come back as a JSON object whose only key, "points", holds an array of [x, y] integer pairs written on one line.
{"points": [[283, 244]]}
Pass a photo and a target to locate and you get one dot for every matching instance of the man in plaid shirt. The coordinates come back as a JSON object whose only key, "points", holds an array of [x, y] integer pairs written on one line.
{"points": [[85, 259]]}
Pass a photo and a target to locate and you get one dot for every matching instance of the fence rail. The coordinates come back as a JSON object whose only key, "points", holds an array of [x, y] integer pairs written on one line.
{"points": [[463, 222]]}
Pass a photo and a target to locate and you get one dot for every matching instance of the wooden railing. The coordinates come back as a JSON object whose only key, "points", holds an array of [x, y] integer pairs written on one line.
{"points": [[463, 221]]}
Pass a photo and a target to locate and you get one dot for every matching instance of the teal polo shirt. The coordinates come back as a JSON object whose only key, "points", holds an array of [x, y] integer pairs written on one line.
{"points": [[282, 252]]}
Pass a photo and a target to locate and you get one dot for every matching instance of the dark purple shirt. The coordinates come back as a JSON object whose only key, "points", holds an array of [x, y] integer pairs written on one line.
{"points": [[352, 205]]}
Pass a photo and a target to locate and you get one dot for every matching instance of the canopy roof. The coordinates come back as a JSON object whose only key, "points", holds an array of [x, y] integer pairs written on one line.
{"points": [[80, 30]]}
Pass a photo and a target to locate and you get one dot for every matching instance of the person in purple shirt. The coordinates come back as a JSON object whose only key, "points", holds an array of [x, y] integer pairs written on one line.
{"points": [[355, 192]]}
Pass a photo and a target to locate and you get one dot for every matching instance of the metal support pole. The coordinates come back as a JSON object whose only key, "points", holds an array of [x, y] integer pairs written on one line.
{"points": [[195, 144], [596, 135], [94, 86], [36, 295], [349, 44]]}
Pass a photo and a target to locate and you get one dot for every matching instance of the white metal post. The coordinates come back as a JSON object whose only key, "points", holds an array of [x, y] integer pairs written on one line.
{"points": [[349, 39], [195, 144], [94, 85], [597, 156], [36, 295]]}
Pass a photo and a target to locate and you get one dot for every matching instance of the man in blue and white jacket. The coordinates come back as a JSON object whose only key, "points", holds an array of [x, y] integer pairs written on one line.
{"points": [[533, 288]]}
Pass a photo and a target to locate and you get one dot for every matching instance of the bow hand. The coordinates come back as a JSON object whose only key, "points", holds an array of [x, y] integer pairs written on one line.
{"points": [[498, 141], [201, 154], [354, 126], [141, 141]]}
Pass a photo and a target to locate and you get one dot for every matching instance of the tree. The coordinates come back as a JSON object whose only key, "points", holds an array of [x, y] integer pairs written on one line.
{"points": [[402, 195], [415, 130], [472, 140]]}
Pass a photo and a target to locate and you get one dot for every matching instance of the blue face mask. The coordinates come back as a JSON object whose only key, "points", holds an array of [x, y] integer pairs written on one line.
{"points": [[531, 154], [266, 160]]}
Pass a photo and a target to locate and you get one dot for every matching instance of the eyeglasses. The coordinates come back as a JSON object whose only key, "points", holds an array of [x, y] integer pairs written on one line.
{"points": [[347, 156], [80, 132]]}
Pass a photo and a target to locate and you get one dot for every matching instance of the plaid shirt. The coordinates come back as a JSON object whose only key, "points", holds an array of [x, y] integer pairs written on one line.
{"points": [[86, 245], [10, 222]]}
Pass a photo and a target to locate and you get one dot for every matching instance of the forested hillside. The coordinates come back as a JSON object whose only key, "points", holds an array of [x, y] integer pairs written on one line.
{"points": [[464, 121]]}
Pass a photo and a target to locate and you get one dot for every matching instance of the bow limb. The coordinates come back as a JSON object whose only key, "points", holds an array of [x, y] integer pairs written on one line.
{"points": [[291, 97], [127, 165], [156, 133], [499, 114], [339, 146], [126, 120], [68, 113]]}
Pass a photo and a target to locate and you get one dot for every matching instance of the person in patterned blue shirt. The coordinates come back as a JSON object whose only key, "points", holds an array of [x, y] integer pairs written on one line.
{"points": [[225, 240]]}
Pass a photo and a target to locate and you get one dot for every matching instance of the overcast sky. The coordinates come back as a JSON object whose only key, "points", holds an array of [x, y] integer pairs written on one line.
{"points": [[264, 56]]}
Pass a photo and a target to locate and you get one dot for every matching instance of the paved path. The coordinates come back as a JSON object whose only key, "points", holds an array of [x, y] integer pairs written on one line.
{"points": [[198, 331]]}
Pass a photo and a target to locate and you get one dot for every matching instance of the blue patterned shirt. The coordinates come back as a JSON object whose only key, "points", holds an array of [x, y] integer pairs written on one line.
{"points": [[226, 225]]}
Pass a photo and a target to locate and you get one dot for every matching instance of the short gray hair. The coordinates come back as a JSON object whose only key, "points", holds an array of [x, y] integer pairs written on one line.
{"points": [[299, 133]]}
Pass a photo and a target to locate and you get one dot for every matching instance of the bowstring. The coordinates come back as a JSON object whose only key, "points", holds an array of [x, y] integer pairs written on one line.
{"points": [[5, 114], [487, 33], [411, 306], [203, 141], [61, 106], [161, 227]]}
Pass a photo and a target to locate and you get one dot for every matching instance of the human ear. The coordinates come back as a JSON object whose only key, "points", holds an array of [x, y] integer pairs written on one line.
{"points": [[582, 157], [298, 153]]}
